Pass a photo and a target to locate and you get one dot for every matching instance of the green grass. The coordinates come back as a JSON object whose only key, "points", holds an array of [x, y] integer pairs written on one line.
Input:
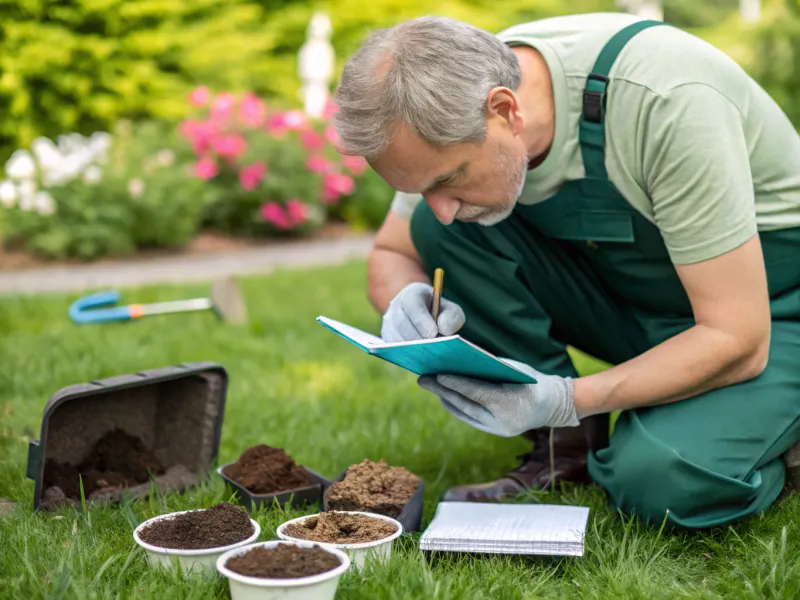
{"points": [[294, 385]]}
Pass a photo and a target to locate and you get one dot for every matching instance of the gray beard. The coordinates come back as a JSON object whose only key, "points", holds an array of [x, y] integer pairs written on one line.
{"points": [[514, 171]]}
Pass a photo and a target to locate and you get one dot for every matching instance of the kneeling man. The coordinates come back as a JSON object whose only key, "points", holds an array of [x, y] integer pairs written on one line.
{"points": [[606, 183]]}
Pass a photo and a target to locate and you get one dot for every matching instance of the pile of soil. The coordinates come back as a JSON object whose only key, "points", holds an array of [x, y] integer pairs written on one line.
{"points": [[117, 460], [283, 562], [373, 487], [266, 470], [341, 528], [221, 525]]}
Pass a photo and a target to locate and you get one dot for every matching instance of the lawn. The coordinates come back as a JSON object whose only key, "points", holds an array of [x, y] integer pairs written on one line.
{"points": [[297, 386]]}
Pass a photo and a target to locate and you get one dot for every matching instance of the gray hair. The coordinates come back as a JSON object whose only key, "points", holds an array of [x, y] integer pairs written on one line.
{"points": [[432, 74]]}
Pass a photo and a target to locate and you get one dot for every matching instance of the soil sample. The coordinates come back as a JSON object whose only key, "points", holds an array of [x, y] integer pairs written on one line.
{"points": [[373, 487], [284, 561], [117, 460], [266, 470], [221, 525], [341, 528]]}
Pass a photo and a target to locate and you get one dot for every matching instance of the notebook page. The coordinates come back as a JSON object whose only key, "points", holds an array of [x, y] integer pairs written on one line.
{"points": [[507, 528], [361, 337]]}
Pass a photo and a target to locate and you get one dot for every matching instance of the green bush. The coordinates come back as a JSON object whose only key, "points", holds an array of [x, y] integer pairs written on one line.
{"points": [[275, 172], [81, 65], [235, 166], [101, 196], [768, 50]]}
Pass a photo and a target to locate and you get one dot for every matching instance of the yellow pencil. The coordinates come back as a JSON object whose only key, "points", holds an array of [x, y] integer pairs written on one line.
{"points": [[438, 277]]}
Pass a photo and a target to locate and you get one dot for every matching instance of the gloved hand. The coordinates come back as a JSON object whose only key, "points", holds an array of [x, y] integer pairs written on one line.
{"points": [[409, 317], [507, 409]]}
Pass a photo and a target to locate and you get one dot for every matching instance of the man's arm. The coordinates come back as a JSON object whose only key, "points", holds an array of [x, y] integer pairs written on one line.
{"points": [[696, 169], [393, 262], [729, 343]]}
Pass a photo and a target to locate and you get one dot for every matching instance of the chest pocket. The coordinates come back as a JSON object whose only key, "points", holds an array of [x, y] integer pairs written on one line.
{"points": [[589, 210]]}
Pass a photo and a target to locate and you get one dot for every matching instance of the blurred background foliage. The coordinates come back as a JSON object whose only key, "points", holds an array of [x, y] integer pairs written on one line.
{"points": [[80, 65], [169, 169]]}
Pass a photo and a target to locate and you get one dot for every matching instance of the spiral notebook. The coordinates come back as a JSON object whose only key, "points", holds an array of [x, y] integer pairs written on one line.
{"points": [[507, 529]]}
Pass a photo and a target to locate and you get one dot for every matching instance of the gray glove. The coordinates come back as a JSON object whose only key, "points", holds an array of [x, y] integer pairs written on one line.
{"points": [[409, 315], [506, 409]]}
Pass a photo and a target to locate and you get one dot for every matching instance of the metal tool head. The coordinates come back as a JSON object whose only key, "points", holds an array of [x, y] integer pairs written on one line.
{"points": [[228, 302]]}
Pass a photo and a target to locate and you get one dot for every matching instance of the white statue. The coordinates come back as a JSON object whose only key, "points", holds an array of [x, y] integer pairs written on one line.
{"points": [[750, 10], [645, 9], [316, 63]]}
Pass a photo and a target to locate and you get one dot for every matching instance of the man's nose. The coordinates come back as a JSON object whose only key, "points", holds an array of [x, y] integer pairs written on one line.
{"points": [[444, 207]]}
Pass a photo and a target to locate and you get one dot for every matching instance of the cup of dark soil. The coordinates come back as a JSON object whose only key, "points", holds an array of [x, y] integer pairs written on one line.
{"points": [[379, 488], [362, 535], [283, 570], [195, 538], [264, 475]]}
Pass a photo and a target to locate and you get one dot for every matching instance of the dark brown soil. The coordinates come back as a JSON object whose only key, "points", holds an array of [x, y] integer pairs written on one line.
{"points": [[341, 528], [283, 562], [117, 460], [221, 525], [373, 487], [266, 470]]}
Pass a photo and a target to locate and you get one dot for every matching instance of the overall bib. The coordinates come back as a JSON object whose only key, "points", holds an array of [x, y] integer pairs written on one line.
{"points": [[585, 269]]}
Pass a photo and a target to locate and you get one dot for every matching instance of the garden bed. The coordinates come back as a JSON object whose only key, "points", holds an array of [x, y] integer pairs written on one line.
{"points": [[204, 243]]}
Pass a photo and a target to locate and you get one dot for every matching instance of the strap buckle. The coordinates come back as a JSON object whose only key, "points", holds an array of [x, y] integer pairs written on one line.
{"points": [[594, 99]]}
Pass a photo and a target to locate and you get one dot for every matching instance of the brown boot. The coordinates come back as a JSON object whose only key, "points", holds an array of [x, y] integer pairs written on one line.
{"points": [[570, 448]]}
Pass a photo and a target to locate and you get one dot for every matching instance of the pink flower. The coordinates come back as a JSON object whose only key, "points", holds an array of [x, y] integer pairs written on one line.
{"points": [[311, 140], [251, 175], [276, 126], [335, 185], [319, 165], [252, 111], [332, 135], [330, 109], [229, 146], [199, 133], [273, 214], [355, 164], [222, 106], [200, 96], [297, 211], [206, 168], [294, 119]]}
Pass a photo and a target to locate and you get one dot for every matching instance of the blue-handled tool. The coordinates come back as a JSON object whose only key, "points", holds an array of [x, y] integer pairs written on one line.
{"points": [[225, 301]]}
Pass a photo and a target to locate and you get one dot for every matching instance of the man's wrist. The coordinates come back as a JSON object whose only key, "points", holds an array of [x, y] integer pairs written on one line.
{"points": [[586, 397]]}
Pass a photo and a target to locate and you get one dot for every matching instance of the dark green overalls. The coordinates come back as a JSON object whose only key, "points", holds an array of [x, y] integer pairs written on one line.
{"points": [[585, 269]]}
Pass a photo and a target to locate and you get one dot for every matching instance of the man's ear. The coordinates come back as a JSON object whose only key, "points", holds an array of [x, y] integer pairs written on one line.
{"points": [[502, 104]]}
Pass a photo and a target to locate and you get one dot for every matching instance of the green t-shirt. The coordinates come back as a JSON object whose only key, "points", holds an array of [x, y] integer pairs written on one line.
{"points": [[692, 142]]}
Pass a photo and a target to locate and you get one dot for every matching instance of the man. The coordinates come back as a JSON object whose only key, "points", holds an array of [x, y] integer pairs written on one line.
{"points": [[611, 184]]}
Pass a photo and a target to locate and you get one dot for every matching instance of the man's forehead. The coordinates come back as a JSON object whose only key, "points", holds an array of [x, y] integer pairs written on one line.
{"points": [[410, 164]]}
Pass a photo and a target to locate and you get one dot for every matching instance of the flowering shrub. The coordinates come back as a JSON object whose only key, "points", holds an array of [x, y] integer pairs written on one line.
{"points": [[276, 172], [234, 166], [86, 197]]}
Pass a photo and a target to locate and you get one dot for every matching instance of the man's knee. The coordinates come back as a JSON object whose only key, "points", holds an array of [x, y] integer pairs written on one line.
{"points": [[651, 480]]}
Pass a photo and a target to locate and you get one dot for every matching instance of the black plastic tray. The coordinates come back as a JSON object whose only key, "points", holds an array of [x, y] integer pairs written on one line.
{"points": [[411, 515], [295, 497], [177, 411]]}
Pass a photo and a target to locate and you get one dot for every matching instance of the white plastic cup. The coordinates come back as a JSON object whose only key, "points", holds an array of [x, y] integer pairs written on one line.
{"points": [[314, 587], [379, 550], [202, 560]]}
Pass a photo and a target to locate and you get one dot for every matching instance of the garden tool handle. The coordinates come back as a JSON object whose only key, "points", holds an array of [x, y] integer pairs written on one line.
{"points": [[84, 310]]}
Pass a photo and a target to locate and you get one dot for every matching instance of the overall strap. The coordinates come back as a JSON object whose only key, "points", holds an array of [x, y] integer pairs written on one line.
{"points": [[592, 122]]}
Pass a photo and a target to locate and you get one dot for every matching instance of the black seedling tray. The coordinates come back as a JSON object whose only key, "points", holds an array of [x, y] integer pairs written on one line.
{"points": [[295, 497], [411, 515], [175, 411]]}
